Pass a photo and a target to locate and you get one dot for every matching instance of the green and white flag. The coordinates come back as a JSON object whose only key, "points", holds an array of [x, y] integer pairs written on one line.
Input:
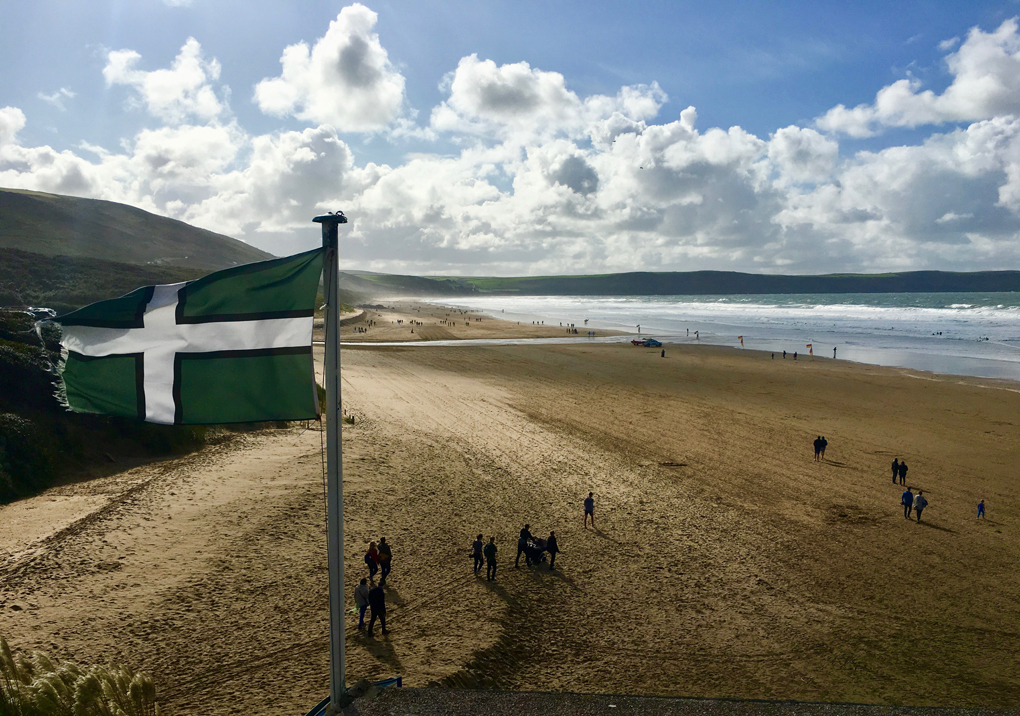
{"points": [[232, 347]]}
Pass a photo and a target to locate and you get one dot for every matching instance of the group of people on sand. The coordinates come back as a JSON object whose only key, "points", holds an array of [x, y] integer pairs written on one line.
{"points": [[820, 444], [378, 558], [899, 470], [917, 503], [533, 549]]}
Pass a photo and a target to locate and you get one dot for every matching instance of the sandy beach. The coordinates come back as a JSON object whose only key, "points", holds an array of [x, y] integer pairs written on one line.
{"points": [[725, 561], [415, 321]]}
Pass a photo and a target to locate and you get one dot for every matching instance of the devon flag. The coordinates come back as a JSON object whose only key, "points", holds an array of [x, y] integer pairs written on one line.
{"points": [[232, 347]]}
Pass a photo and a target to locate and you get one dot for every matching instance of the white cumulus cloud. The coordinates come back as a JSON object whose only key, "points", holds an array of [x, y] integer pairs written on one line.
{"points": [[503, 100], [176, 94], [802, 154], [345, 80], [986, 84], [12, 121]]}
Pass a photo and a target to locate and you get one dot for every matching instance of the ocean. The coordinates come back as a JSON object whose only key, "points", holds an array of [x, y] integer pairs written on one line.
{"points": [[974, 334]]}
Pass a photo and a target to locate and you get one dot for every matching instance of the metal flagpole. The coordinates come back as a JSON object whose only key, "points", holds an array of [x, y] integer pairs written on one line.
{"points": [[334, 459]]}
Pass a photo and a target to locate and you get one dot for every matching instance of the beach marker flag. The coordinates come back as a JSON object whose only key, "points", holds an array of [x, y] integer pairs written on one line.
{"points": [[741, 341], [811, 350], [232, 347]]}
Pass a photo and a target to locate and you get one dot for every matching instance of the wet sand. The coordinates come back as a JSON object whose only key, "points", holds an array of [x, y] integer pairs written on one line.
{"points": [[725, 563]]}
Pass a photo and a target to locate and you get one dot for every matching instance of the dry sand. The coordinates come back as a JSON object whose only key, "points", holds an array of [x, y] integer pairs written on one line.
{"points": [[726, 561]]}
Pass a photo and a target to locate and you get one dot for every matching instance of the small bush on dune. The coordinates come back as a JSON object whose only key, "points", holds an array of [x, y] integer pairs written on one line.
{"points": [[26, 461], [37, 686]]}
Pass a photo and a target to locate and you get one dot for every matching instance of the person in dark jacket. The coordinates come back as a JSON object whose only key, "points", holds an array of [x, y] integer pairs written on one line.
{"points": [[385, 559], [490, 560], [907, 500], [895, 470], [377, 605], [476, 552], [552, 548], [522, 547], [903, 472], [818, 448]]}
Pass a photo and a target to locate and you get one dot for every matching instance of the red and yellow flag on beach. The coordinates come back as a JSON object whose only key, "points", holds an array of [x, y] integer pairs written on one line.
{"points": [[741, 341], [811, 350]]}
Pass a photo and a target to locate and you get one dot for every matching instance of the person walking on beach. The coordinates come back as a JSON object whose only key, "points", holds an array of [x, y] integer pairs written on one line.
{"points": [[385, 559], [903, 472], [795, 355], [907, 500], [476, 552], [372, 560], [818, 448], [981, 510], [920, 502], [490, 560], [825, 444], [522, 547], [552, 548], [895, 469], [377, 605], [589, 510], [361, 601]]}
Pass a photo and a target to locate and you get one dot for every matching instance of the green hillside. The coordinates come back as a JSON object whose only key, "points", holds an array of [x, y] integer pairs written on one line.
{"points": [[682, 283], [379, 284], [731, 282], [64, 283], [89, 228]]}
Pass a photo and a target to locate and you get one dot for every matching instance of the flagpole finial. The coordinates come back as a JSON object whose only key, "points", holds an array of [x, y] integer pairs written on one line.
{"points": [[330, 222], [331, 217]]}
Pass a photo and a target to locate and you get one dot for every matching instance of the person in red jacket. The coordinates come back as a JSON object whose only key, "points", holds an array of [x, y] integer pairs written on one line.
{"points": [[372, 560]]}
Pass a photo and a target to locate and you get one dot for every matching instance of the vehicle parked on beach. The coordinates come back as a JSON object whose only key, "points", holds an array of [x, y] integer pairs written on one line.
{"points": [[647, 343]]}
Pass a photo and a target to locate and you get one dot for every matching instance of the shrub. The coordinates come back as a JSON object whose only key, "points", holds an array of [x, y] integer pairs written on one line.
{"points": [[26, 461], [38, 686]]}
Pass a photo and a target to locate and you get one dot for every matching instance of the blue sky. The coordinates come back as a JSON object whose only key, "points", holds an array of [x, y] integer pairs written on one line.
{"points": [[452, 156]]}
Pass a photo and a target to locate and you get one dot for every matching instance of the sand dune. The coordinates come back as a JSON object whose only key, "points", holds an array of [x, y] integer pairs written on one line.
{"points": [[726, 561]]}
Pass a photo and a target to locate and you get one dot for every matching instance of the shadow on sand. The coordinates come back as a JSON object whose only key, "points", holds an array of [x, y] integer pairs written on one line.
{"points": [[929, 525], [380, 646]]}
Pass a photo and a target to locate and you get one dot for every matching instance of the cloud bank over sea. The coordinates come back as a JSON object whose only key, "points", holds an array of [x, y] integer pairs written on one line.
{"points": [[544, 180]]}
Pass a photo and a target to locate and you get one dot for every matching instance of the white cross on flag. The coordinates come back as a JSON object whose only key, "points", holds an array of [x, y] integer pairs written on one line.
{"points": [[232, 347]]}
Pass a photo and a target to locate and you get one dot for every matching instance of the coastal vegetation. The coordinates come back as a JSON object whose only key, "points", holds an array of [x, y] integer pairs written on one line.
{"points": [[55, 225], [36, 685]]}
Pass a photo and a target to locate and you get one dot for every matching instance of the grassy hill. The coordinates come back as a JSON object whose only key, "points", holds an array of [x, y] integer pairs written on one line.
{"points": [[381, 284], [685, 283], [89, 228], [730, 282], [64, 283]]}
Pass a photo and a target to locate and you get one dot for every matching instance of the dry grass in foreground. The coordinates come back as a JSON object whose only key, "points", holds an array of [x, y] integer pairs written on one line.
{"points": [[35, 685]]}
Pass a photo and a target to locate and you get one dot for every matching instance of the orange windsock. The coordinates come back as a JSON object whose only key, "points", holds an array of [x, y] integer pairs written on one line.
{"points": [[811, 351]]}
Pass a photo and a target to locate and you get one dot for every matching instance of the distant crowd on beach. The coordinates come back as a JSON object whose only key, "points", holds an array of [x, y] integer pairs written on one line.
{"points": [[370, 598], [912, 504], [534, 549]]}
